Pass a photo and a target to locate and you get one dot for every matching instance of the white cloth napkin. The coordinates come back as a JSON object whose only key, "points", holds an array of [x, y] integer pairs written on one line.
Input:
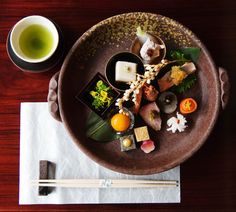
{"points": [[43, 138]]}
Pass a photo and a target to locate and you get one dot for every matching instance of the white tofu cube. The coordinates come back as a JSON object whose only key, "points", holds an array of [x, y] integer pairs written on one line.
{"points": [[125, 71]]}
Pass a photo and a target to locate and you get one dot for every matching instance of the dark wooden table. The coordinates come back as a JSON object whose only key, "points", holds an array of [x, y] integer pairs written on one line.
{"points": [[208, 178]]}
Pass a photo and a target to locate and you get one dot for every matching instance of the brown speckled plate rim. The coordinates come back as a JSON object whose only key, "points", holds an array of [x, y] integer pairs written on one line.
{"points": [[157, 169]]}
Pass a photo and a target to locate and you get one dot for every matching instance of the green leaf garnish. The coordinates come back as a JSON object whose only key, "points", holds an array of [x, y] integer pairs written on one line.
{"points": [[99, 129], [177, 55], [185, 54], [191, 53], [186, 84]]}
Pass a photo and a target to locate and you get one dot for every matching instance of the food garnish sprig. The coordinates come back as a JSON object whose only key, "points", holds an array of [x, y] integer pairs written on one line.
{"points": [[151, 71]]}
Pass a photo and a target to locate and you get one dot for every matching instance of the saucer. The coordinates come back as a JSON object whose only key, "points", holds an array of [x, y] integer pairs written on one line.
{"points": [[37, 67]]}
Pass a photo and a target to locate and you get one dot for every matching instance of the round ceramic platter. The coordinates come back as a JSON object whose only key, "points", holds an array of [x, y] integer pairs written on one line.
{"points": [[90, 54]]}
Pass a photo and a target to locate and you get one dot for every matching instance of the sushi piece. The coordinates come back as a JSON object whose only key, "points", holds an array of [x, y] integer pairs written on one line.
{"points": [[188, 67], [165, 82], [176, 75], [150, 113], [148, 146]]}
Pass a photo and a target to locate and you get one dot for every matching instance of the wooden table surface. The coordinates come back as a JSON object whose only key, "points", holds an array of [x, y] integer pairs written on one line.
{"points": [[208, 178]]}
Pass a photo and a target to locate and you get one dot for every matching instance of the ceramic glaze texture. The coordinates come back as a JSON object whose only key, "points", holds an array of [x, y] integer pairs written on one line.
{"points": [[90, 55]]}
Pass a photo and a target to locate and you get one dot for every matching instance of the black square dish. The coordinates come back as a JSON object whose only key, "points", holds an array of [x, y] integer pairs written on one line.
{"points": [[98, 95]]}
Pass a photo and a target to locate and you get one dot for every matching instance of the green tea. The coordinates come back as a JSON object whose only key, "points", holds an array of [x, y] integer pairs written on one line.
{"points": [[36, 41]]}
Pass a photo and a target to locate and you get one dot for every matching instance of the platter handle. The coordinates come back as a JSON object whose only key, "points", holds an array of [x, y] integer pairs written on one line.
{"points": [[224, 86], [52, 99]]}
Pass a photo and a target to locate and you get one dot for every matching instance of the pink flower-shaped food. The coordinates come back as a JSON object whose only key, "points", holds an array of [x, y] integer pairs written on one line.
{"points": [[148, 146]]}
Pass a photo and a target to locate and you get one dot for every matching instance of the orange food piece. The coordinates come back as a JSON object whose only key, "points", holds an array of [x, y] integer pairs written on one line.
{"points": [[188, 105], [120, 122]]}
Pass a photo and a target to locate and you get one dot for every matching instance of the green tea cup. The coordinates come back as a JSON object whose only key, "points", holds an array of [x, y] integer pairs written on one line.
{"points": [[34, 39]]}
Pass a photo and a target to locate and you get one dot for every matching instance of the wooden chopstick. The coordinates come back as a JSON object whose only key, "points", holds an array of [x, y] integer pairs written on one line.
{"points": [[99, 186], [99, 180], [104, 183]]}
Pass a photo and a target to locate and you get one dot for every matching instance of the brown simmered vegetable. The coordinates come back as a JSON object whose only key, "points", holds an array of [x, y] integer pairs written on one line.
{"points": [[137, 103], [150, 93]]}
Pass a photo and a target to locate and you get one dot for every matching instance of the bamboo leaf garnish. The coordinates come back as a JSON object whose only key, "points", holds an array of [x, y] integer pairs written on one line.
{"points": [[99, 129]]}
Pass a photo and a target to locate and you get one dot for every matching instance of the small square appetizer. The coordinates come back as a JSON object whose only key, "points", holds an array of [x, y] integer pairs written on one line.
{"points": [[98, 95], [125, 71], [141, 133], [127, 143]]}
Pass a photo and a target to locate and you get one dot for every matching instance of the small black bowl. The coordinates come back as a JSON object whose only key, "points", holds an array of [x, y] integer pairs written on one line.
{"points": [[37, 67], [110, 68]]}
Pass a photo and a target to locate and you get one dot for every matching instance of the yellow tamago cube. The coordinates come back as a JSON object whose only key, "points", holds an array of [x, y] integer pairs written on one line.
{"points": [[141, 133]]}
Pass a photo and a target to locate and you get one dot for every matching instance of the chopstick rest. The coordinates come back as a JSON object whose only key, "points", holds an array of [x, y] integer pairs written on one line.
{"points": [[46, 171]]}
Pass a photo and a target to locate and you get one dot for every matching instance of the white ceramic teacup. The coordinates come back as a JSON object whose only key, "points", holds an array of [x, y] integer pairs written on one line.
{"points": [[26, 22]]}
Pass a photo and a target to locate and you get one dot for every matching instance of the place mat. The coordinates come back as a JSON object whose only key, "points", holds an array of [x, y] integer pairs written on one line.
{"points": [[43, 138]]}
